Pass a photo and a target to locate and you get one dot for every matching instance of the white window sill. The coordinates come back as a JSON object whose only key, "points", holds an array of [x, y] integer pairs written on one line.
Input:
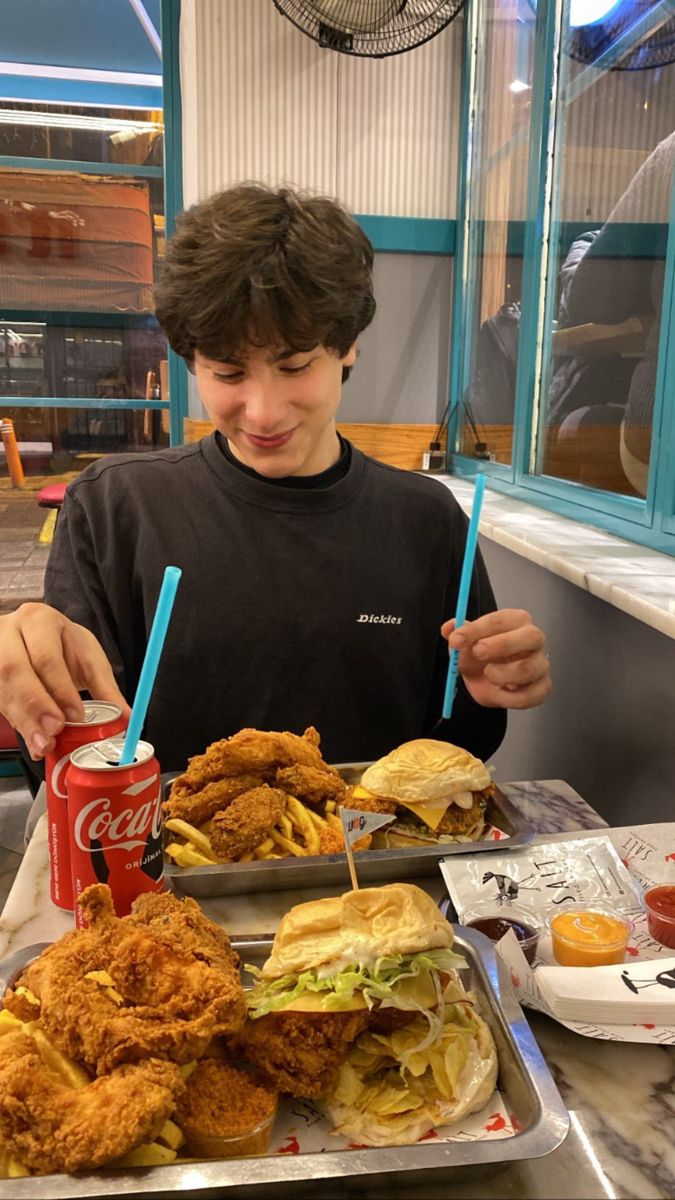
{"points": [[633, 578]]}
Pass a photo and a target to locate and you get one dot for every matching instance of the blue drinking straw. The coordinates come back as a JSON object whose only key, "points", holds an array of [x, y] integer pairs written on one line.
{"points": [[463, 595], [153, 654]]}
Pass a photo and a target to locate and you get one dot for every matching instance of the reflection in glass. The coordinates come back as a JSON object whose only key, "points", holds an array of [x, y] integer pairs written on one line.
{"points": [[60, 440], [496, 198], [613, 177]]}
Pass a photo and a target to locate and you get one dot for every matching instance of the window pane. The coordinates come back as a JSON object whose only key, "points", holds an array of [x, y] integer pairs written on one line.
{"points": [[112, 362], [59, 440], [496, 194], [81, 134], [612, 184]]}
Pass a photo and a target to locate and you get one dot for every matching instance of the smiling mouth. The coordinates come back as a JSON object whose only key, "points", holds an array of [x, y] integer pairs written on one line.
{"points": [[272, 442]]}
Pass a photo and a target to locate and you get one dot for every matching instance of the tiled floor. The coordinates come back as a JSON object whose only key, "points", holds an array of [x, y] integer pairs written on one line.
{"points": [[22, 559]]}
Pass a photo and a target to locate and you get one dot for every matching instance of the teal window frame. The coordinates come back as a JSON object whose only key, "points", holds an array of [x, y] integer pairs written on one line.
{"points": [[649, 522]]}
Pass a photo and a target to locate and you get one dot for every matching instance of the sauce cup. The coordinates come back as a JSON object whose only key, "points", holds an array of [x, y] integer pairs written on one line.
{"points": [[587, 935], [496, 920], [660, 906]]}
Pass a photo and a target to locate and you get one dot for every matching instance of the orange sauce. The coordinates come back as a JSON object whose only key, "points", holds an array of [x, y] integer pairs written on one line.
{"points": [[588, 939]]}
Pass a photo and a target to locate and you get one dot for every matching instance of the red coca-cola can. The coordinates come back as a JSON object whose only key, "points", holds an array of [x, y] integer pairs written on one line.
{"points": [[115, 819], [101, 720]]}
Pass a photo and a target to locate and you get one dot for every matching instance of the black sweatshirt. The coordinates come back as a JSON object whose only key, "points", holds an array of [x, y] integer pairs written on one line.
{"points": [[314, 605]]}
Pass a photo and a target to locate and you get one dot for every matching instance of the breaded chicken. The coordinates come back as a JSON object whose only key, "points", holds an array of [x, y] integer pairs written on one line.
{"points": [[312, 785], [49, 1126], [462, 820], [198, 807], [183, 924], [252, 752], [175, 989], [246, 823], [300, 1052], [368, 803]]}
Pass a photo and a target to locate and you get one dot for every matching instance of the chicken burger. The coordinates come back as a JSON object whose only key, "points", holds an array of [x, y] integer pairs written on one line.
{"points": [[380, 962], [438, 793]]}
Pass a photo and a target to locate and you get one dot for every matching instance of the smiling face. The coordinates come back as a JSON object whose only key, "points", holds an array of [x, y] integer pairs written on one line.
{"points": [[276, 407]]}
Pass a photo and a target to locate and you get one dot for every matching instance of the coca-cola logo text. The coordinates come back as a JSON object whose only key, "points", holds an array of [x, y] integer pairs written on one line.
{"points": [[125, 829], [58, 779]]}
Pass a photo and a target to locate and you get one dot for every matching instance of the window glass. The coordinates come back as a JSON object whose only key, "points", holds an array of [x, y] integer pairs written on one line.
{"points": [[79, 255], [613, 171], [94, 135], [496, 198], [64, 440]]}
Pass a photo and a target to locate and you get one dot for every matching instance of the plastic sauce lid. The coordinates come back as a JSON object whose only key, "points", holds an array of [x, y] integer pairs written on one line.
{"points": [[591, 928]]}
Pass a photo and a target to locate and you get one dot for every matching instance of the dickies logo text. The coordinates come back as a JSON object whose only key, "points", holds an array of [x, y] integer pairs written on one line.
{"points": [[378, 619]]}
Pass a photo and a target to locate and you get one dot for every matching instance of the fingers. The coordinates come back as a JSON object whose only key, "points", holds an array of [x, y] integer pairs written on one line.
{"points": [[90, 668], [502, 658], [522, 697], [504, 632], [24, 700], [45, 661], [518, 673]]}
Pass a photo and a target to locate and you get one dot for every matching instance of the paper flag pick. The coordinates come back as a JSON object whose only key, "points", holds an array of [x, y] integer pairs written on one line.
{"points": [[355, 825]]}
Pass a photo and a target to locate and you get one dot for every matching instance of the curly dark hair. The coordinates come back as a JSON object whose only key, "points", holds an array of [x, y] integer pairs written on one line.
{"points": [[258, 266]]}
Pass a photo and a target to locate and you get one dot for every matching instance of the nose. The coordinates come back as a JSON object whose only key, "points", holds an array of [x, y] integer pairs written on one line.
{"points": [[263, 410]]}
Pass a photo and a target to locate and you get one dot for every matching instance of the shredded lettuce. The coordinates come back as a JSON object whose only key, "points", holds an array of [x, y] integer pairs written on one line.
{"points": [[377, 985]]}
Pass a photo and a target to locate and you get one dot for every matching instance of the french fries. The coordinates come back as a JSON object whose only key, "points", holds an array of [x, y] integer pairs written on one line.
{"points": [[300, 832], [198, 839], [301, 820]]}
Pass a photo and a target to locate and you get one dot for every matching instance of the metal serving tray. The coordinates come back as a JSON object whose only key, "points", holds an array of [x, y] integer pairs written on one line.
{"points": [[228, 879], [525, 1083]]}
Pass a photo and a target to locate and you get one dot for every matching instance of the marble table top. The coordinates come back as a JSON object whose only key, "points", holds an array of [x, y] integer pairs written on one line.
{"points": [[621, 1097], [633, 578]]}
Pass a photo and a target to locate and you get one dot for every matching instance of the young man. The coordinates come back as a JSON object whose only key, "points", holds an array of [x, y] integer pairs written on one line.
{"points": [[318, 585]]}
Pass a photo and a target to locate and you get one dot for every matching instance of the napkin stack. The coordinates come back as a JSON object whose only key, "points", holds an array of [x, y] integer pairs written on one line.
{"points": [[640, 992]]}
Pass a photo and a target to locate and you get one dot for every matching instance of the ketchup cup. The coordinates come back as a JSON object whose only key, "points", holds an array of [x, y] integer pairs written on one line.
{"points": [[660, 906]]}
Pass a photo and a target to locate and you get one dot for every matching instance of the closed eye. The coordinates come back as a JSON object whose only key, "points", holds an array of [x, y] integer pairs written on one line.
{"points": [[296, 370]]}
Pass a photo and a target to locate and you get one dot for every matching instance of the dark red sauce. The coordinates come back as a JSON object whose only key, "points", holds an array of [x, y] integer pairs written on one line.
{"points": [[660, 905], [496, 927]]}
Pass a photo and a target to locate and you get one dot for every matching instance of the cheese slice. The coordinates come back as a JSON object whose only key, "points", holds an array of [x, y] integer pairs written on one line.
{"points": [[430, 812]]}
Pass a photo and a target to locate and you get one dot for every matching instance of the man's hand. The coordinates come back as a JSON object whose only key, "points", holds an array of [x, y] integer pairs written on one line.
{"points": [[45, 661], [502, 659]]}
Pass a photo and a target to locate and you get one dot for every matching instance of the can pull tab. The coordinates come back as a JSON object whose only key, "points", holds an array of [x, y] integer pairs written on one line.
{"points": [[109, 751]]}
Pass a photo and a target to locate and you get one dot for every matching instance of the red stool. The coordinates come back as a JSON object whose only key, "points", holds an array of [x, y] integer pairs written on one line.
{"points": [[52, 496], [11, 752]]}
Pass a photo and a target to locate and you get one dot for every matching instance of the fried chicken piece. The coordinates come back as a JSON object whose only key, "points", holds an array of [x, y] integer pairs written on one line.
{"points": [[198, 807], [300, 1052], [49, 1126], [368, 803], [178, 989], [312, 785], [253, 752], [459, 820], [183, 924], [247, 822]]}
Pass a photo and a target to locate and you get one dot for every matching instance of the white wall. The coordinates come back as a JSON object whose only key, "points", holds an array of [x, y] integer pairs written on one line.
{"points": [[607, 727], [263, 101]]}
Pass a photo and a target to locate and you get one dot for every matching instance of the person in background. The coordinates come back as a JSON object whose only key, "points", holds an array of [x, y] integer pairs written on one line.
{"points": [[621, 275], [318, 585]]}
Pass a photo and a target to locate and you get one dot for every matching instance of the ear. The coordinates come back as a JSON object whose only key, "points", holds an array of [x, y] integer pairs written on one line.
{"points": [[350, 357]]}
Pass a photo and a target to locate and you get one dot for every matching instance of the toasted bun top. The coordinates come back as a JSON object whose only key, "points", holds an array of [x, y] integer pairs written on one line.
{"points": [[357, 927], [426, 770]]}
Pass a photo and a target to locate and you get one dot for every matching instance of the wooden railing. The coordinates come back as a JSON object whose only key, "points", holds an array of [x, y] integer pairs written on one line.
{"points": [[397, 445]]}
